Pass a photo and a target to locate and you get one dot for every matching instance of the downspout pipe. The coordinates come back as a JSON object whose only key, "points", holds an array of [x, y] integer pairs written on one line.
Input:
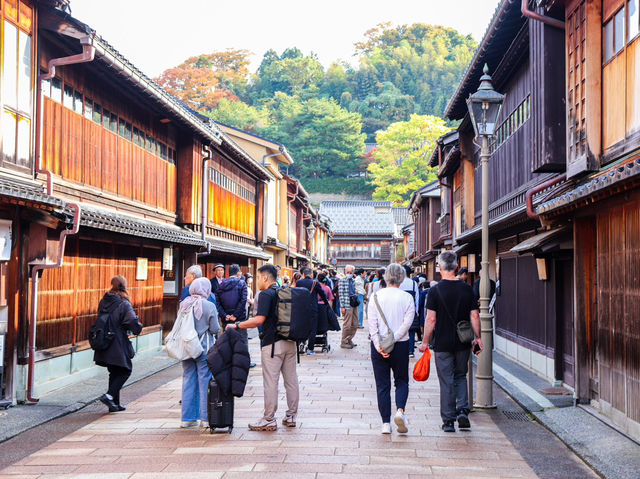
{"points": [[35, 273], [537, 189], [289, 226], [204, 207], [282, 151], [87, 55], [541, 18]]}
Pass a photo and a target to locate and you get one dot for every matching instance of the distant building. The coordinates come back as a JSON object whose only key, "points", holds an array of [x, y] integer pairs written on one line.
{"points": [[363, 233]]}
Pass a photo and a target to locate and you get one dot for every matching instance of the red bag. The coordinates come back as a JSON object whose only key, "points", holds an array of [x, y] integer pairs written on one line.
{"points": [[421, 369]]}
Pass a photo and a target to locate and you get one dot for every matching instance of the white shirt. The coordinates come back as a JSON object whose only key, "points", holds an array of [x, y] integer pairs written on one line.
{"points": [[398, 309], [410, 285], [360, 285]]}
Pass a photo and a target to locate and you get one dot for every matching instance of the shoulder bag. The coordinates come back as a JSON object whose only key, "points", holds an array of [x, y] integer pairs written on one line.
{"points": [[463, 328], [387, 344]]}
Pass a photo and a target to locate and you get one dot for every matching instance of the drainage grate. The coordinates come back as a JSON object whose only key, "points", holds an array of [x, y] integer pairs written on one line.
{"points": [[516, 415]]}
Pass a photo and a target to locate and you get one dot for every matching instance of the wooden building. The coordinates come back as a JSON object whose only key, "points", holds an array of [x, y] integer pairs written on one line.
{"points": [[533, 309], [363, 233], [424, 206], [603, 201], [101, 173]]}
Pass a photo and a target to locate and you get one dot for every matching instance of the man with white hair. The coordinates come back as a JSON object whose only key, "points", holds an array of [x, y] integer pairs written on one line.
{"points": [[347, 291], [193, 272], [448, 303]]}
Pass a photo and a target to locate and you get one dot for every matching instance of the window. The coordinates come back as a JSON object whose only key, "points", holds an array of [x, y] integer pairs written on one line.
{"points": [[150, 144], [124, 130], [113, 123], [56, 89], [514, 121], [97, 114], [77, 102], [106, 116], [46, 87], [68, 97], [88, 109], [614, 35], [634, 19], [17, 93], [162, 151]]}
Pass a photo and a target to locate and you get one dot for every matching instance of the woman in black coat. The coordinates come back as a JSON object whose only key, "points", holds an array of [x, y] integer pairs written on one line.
{"points": [[117, 357]]}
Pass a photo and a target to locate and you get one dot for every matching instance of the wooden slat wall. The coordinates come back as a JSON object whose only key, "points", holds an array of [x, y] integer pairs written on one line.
{"points": [[69, 296], [613, 101], [81, 151], [618, 276], [633, 87]]}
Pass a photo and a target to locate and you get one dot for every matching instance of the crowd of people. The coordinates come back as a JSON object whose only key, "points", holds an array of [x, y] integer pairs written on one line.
{"points": [[402, 311]]}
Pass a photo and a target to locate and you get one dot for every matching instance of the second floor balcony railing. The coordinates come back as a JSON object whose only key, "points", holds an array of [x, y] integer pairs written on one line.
{"points": [[356, 254]]}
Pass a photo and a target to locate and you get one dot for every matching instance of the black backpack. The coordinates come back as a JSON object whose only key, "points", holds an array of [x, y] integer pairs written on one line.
{"points": [[101, 334], [297, 309]]}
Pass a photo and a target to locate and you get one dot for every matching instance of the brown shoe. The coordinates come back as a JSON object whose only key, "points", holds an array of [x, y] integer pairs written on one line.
{"points": [[264, 425], [289, 421]]}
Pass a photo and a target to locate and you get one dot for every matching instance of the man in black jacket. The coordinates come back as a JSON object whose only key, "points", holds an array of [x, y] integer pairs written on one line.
{"points": [[218, 277]]}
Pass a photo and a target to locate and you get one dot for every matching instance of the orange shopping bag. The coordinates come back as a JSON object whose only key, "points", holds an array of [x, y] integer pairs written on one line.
{"points": [[421, 369]]}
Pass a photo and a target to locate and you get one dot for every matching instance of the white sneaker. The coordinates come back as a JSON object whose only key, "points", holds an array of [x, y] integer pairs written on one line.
{"points": [[186, 424], [386, 428], [401, 422], [203, 424]]}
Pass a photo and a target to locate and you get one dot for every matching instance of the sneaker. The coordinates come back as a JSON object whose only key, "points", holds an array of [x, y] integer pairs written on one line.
{"points": [[264, 425], [289, 421], [186, 424], [401, 422], [463, 421], [203, 424], [252, 365], [412, 355], [310, 353], [121, 407], [347, 346], [386, 428], [448, 427]]}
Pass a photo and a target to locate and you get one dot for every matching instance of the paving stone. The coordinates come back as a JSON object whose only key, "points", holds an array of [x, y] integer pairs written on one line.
{"points": [[338, 436]]}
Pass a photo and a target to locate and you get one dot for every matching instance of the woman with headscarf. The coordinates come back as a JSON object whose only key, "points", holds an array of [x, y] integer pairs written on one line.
{"points": [[195, 372], [117, 357]]}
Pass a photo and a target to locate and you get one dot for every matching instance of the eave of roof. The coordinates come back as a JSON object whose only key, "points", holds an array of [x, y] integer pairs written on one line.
{"points": [[597, 184], [505, 24], [265, 141]]}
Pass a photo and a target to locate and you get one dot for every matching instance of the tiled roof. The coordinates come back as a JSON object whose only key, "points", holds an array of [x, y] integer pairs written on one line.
{"points": [[359, 217], [131, 225], [23, 192]]}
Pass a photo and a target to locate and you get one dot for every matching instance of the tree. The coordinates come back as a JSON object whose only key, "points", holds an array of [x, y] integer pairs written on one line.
{"points": [[202, 81], [290, 73], [401, 161], [323, 138], [240, 115]]}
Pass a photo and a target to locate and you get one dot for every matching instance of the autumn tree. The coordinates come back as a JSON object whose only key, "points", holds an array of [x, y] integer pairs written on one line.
{"points": [[202, 81], [401, 161]]}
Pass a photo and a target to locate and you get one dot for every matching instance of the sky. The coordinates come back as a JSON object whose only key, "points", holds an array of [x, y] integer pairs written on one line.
{"points": [[160, 34]]}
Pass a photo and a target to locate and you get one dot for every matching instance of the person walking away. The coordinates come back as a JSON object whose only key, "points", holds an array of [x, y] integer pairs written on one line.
{"points": [[195, 372], [391, 311], [476, 287], [249, 280], [194, 271], [411, 287], [347, 290], [278, 355], [360, 291], [449, 302], [463, 275], [422, 303], [218, 277], [315, 288], [231, 300], [117, 357]]}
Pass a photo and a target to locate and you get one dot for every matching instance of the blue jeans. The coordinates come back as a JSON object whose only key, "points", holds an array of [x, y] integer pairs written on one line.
{"points": [[195, 388], [361, 310]]}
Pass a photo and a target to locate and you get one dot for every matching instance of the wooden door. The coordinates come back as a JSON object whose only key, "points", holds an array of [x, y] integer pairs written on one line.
{"points": [[564, 357]]}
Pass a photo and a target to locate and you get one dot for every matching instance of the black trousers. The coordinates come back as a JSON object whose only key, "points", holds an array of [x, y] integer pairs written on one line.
{"points": [[398, 364], [117, 377]]}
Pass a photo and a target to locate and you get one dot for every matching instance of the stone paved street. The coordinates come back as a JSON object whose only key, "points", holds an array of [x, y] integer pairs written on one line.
{"points": [[338, 436]]}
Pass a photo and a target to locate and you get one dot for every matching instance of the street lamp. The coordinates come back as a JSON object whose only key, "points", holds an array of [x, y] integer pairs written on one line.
{"points": [[484, 109]]}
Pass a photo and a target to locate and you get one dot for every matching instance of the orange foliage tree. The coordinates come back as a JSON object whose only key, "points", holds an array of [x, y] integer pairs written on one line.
{"points": [[202, 81]]}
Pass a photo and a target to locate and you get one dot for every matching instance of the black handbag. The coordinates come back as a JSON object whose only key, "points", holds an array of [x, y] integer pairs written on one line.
{"points": [[463, 328]]}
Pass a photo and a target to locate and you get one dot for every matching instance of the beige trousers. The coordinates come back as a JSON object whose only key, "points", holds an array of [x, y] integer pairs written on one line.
{"points": [[283, 360], [349, 326]]}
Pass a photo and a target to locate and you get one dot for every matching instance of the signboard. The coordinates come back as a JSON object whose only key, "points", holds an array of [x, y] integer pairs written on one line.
{"points": [[167, 259], [142, 269]]}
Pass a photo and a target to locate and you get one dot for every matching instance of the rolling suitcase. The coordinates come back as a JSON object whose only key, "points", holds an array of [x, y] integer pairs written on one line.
{"points": [[220, 408]]}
